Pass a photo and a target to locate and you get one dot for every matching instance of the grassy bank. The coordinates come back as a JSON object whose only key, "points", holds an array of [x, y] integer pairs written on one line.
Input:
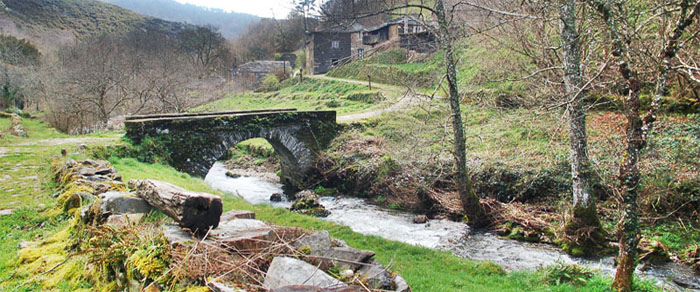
{"points": [[311, 94]]}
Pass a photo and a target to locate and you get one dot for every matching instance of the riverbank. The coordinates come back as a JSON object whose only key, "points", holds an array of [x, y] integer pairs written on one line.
{"points": [[423, 268]]}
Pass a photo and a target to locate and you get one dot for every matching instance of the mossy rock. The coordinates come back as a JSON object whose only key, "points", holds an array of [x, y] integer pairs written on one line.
{"points": [[309, 206]]}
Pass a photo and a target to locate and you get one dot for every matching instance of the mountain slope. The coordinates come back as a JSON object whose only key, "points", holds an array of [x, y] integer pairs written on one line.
{"points": [[53, 22], [231, 24]]}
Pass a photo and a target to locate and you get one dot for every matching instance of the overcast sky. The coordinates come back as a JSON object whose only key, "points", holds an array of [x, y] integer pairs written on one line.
{"points": [[264, 8]]}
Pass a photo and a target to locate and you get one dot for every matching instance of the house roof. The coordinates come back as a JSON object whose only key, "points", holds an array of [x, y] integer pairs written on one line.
{"points": [[354, 27], [263, 66], [399, 20]]}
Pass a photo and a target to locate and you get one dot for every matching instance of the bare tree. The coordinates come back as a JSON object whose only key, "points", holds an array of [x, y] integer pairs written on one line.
{"points": [[623, 35], [206, 47], [339, 11], [583, 227]]}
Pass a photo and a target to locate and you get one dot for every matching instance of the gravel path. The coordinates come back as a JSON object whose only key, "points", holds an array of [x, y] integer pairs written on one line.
{"points": [[77, 140]]}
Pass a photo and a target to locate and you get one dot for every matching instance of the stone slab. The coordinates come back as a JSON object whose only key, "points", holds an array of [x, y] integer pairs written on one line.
{"points": [[286, 271], [243, 234]]}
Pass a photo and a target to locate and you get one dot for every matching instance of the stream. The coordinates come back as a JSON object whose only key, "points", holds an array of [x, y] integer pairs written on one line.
{"points": [[456, 237]]}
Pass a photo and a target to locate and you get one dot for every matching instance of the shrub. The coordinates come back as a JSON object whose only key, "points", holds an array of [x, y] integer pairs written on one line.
{"points": [[271, 82], [561, 273]]}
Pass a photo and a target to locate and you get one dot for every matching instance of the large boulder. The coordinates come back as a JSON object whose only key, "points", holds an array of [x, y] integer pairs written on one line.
{"points": [[285, 271], [123, 203]]}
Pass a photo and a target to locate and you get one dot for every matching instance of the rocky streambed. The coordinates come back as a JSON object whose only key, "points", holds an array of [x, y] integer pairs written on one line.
{"points": [[456, 237]]}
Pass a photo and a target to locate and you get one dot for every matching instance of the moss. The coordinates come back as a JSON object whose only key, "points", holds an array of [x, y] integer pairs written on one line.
{"points": [[198, 289], [52, 253], [583, 234], [305, 249], [74, 196]]}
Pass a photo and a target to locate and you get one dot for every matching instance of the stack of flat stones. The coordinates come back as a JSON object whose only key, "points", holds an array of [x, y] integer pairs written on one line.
{"points": [[239, 230]]}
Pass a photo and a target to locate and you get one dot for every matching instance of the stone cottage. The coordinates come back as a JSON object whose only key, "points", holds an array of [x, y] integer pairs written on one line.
{"points": [[328, 48]]}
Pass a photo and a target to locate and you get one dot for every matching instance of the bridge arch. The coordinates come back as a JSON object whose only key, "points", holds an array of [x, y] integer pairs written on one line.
{"points": [[196, 141]]}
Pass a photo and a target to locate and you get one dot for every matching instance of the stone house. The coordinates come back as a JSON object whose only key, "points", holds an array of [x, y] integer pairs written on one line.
{"points": [[251, 74], [328, 48]]}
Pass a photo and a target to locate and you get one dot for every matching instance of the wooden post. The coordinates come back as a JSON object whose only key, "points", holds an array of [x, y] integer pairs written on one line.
{"points": [[369, 81], [301, 75]]}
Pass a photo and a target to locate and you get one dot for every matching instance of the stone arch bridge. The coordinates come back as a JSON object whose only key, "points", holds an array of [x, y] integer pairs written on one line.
{"points": [[196, 141]]}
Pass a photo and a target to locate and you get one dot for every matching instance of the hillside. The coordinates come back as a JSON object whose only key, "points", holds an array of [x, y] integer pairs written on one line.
{"points": [[53, 22], [231, 24]]}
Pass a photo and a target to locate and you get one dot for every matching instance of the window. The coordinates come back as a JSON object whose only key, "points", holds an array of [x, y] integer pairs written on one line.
{"points": [[335, 44], [417, 29], [360, 53]]}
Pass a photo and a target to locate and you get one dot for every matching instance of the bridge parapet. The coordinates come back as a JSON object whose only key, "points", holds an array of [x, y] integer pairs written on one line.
{"points": [[195, 141]]}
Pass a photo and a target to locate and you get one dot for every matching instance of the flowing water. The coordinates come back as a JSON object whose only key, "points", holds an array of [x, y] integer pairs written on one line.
{"points": [[368, 219]]}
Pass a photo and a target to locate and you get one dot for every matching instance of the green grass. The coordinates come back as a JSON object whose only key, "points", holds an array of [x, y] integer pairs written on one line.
{"points": [[311, 94]]}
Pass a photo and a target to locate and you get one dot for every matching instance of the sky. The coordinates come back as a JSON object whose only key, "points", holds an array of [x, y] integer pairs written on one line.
{"points": [[264, 8]]}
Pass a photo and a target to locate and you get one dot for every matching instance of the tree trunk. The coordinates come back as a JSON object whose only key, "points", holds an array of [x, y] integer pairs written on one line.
{"points": [[196, 211], [583, 232], [470, 201]]}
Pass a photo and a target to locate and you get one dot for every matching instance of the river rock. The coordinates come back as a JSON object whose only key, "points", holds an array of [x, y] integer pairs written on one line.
{"points": [[237, 214], [232, 175], [420, 219], [276, 197], [123, 203], [376, 276], [285, 271], [309, 206]]}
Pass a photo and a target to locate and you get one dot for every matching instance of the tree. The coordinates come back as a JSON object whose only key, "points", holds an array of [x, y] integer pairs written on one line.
{"points": [[305, 8], [583, 229], [339, 10], [206, 47], [527, 30], [17, 57], [623, 36]]}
